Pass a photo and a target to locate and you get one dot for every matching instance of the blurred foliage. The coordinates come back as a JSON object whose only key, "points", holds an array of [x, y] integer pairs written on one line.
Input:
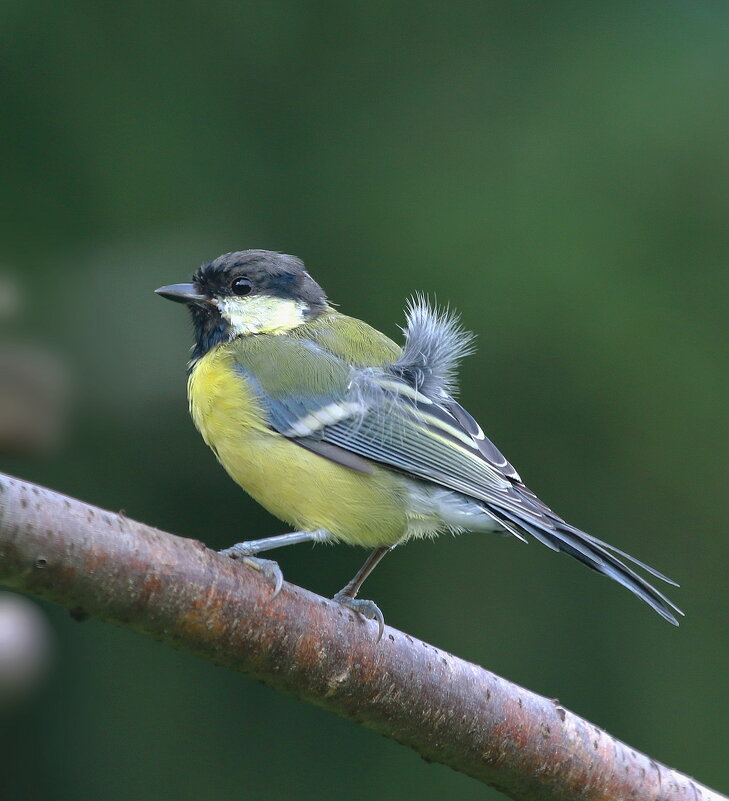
{"points": [[558, 171]]}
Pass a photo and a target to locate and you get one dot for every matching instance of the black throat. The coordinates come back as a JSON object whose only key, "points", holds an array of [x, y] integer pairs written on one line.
{"points": [[210, 329]]}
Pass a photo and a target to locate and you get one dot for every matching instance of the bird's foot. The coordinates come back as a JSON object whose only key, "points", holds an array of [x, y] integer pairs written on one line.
{"points": [[267, 567], [239, 550], [367, 609]]}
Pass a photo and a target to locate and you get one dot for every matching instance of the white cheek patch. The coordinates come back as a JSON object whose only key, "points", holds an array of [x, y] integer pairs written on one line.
{"points": [[261, 314]]}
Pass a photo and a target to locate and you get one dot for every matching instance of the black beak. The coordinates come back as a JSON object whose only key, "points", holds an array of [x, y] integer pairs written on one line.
{"points": [[182, 293]]}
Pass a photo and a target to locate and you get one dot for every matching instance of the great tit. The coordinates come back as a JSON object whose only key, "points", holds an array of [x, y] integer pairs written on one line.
{"points": [[349, 437]]}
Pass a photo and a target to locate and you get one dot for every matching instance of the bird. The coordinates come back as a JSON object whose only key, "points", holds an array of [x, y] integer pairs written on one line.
{"points": [[349, 437]]}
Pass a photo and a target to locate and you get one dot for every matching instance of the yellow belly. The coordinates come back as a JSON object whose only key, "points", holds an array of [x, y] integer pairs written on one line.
{"points": [[298, 486]]}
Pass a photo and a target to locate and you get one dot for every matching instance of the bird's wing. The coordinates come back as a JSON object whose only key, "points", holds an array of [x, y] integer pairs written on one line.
{"points": [[397, 426], [352, 415], [313, 396]]}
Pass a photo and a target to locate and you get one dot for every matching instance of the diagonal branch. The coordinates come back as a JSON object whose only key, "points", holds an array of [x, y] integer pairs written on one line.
{"points": [[448, 710]]}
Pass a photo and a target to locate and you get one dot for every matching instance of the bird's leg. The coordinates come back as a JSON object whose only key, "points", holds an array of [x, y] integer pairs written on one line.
{"points": [[245, 552], [347, 595]]}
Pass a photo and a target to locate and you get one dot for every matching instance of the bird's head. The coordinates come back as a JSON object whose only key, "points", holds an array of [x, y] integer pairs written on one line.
{"points": [[248, 292]]}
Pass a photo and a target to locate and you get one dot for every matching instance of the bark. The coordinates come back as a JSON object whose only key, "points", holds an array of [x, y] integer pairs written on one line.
{"points": [[178, 591]]}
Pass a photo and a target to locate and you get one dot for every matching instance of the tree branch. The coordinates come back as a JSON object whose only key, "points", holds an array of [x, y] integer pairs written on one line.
{"points": [[450, 711]]}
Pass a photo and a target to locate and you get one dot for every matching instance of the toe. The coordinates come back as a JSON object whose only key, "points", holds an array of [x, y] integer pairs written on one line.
{"points": [[367, 609], [269, 569], [236, 551]]}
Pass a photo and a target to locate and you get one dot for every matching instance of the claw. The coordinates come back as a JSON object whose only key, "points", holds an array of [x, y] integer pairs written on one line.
{"points": [[368, 609], [267, 567]]}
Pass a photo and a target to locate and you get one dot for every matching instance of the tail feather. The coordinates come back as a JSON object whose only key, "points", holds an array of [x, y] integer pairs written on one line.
{"points": [[597, 555], [641, 565]]}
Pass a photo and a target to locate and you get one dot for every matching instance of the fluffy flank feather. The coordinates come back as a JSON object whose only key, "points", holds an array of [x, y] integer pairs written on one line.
{"points": [[434, 344]]}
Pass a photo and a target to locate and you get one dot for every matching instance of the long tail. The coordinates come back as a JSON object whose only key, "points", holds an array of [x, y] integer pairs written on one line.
{"points": [[555, 533]]}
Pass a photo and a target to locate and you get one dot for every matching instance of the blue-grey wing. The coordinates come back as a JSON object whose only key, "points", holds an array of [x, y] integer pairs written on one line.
{"points": [[379, 417]]}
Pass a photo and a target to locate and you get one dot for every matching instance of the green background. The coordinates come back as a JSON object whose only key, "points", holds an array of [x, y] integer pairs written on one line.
{"points": [[558, 172]]}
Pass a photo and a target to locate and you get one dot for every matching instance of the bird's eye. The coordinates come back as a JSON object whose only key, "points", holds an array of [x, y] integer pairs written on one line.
{"points": [[241, 286]]}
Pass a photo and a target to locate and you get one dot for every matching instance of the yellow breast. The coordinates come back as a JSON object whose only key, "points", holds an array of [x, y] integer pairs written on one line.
{"points": [[298, 486]]}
